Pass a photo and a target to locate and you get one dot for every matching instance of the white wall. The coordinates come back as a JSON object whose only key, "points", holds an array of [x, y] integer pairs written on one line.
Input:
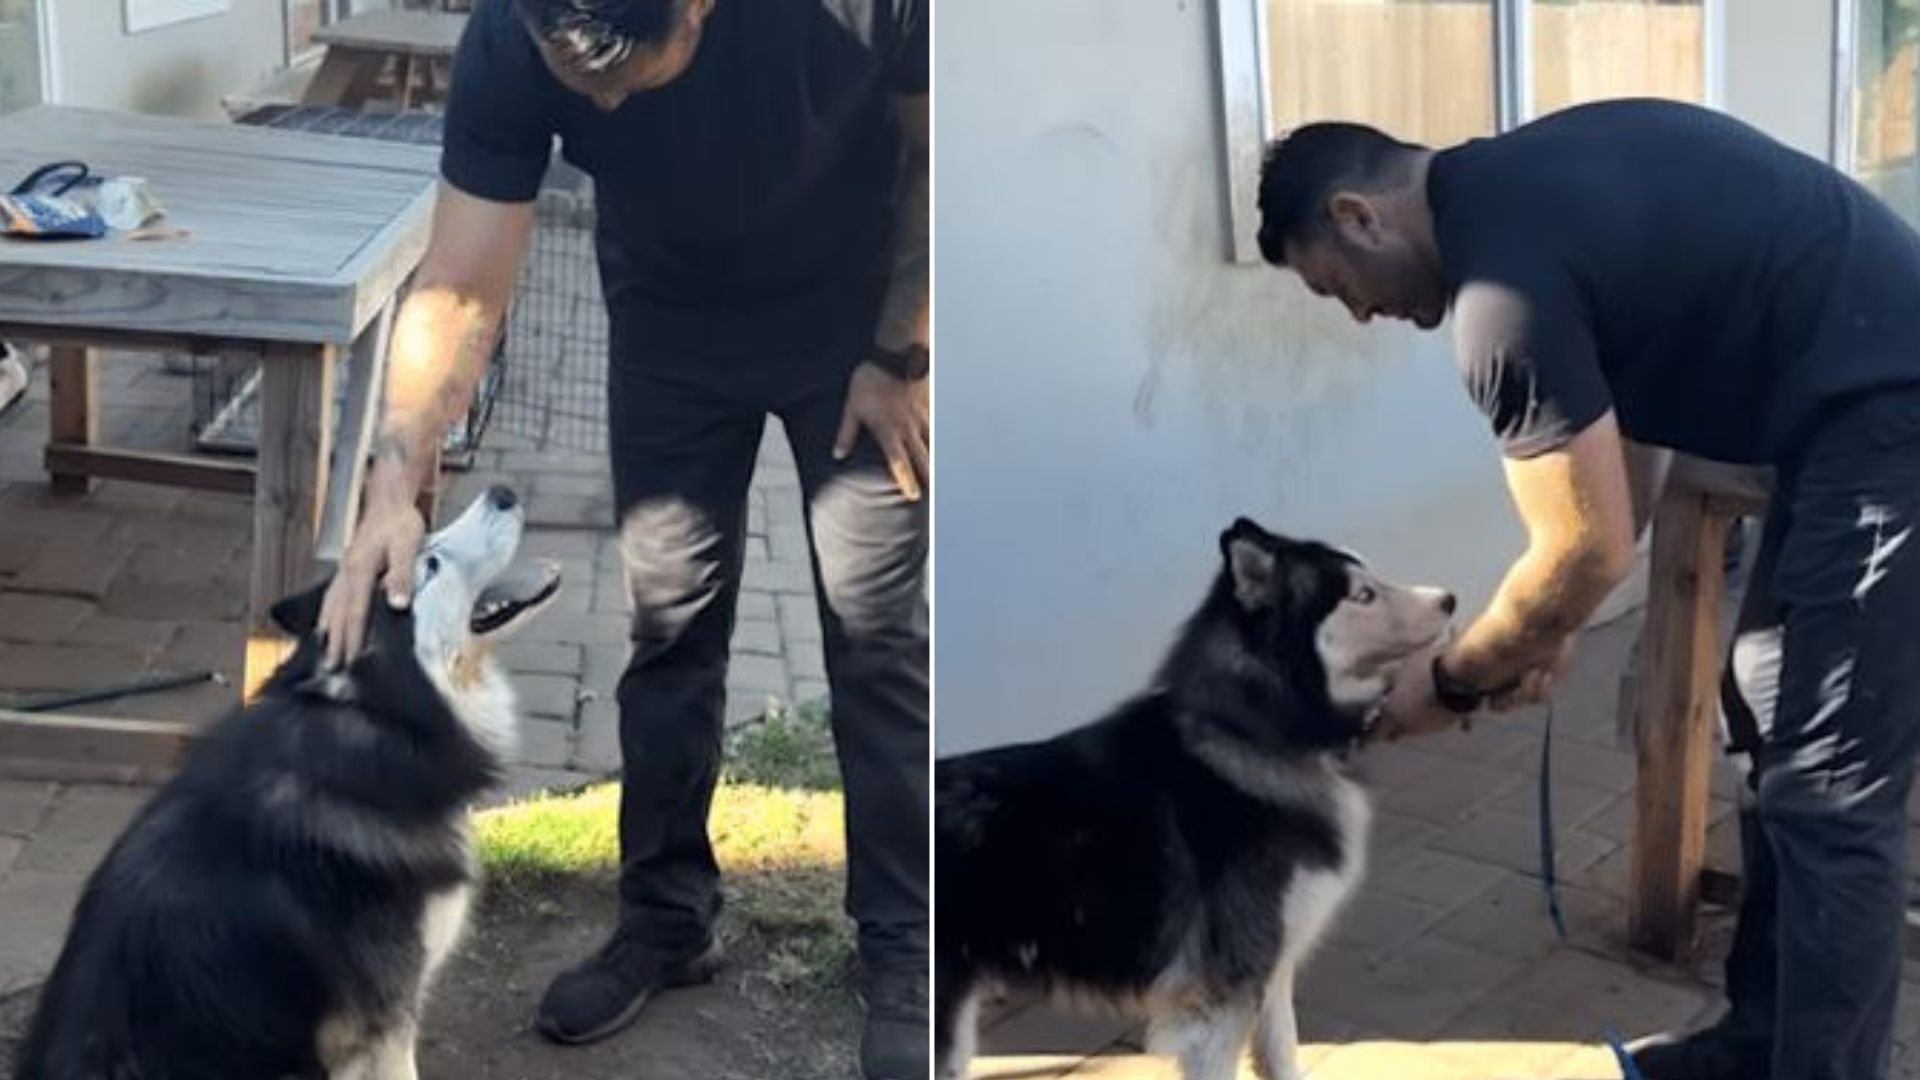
{"points": [[178, 70], [1111, 393]]}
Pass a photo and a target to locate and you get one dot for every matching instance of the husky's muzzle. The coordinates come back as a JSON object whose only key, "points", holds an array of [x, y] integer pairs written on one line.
{"points": [[468, 566]]}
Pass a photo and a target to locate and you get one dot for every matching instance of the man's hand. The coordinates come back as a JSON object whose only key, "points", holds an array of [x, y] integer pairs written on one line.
{"points": [[381, 555], [895, 412], [1537, 685], [1412, 707]]}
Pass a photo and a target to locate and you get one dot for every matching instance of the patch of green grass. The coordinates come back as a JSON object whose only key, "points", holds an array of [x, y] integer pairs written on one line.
{"points": [[777, 830], [791, 747]]}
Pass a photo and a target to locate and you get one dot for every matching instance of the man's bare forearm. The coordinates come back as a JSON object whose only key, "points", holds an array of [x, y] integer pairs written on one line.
{"points": [[441, 342], [904, 314], [1545, 598]]}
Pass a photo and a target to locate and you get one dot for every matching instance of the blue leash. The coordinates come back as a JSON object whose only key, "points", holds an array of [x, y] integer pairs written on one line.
{"points": [[1628, 1071]]}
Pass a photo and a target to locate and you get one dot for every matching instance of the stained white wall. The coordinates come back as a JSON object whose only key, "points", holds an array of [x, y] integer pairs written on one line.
{"points": [[1111, 393], [178, 70]]}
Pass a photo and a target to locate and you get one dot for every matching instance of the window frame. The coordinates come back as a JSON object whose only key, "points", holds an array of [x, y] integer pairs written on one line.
{"points": [[1247, 106]]}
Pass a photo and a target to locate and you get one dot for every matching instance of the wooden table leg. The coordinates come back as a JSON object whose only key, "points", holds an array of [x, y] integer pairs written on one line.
{"points": [[347, 77], [296, 435], [366, 375], [1677, 707], [73, 392]]}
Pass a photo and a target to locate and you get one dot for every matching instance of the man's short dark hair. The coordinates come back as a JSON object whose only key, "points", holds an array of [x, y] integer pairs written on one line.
{"points": [[598, 35], [1305, 167]]}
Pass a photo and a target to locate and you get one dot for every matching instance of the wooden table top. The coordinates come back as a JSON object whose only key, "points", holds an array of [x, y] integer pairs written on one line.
{"points": [[408, 33], [290, 236]]}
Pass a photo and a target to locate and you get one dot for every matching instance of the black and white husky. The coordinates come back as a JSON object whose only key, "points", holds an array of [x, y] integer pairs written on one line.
{"points": [[1178, 859], [280, 907]]}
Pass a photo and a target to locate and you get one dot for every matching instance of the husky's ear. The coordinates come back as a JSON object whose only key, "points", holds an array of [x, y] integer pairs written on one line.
{"points": [[1248, 550], [297, 614]]}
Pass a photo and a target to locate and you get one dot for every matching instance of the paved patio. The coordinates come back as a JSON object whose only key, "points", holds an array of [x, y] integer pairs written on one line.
{"points": [[133, 580]]}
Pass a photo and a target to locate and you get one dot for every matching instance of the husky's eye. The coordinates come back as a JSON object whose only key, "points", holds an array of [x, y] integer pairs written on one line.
{"points": [[433, 564], [1364, 595]]}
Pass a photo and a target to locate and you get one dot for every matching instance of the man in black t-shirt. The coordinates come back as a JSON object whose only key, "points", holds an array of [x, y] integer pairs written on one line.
{"points": [[760, 172], [1632, 277]]}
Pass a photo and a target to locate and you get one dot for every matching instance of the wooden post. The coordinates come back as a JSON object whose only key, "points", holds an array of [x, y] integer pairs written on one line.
{"points": [[1674, 730], [290, 491], [73, 393]]}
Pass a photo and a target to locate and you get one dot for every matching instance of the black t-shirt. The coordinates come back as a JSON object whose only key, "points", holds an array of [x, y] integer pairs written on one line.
{"points": [[1718, 290], [744, 208]]}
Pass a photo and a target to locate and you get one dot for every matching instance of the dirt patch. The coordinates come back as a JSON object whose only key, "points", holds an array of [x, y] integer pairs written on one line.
{"points": [[752, 1023]]}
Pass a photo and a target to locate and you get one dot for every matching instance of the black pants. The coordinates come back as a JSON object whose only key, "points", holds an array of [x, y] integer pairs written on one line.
{"points": [[1822, 694], [684, 436]]}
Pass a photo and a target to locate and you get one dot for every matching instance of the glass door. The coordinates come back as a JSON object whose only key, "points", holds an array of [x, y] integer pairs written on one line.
{"points": [[20, 60]]}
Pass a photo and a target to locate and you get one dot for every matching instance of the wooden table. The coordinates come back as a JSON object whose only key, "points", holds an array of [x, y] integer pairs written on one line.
{"points": [[1678, 699], [296, 247], [360, 48]]}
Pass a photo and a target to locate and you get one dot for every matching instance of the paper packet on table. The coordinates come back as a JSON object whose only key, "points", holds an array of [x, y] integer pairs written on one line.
{"points": [[65, 200]]}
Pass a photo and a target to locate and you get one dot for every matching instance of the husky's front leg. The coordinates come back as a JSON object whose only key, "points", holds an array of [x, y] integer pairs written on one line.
{"points": [[1207, 1044], [392, 1057], [1276, 1040]]}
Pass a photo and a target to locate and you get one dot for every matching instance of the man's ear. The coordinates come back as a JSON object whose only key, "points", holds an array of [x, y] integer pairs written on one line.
{"points": [[298, 614], [1354, 217], [1248, 550]]}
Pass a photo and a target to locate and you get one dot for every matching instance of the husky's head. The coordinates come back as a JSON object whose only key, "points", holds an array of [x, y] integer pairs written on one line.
{"points": [[1309, 629], [466, 594]]}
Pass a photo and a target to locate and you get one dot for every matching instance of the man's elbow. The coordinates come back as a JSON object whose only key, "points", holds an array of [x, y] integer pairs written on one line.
{"points": [[1608, 561]]}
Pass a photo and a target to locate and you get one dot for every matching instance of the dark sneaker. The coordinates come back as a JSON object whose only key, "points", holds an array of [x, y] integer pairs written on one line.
{"points": [[606, 992], [1715, 1053], [893, 1043]]}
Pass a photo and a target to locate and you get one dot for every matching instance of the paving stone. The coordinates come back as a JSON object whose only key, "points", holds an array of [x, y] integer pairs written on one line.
{"points": [[566, 544], [547, 695], [146, 635], [544, 743], [1434, 789], [759, 604], [34, 617], [602, 667], [1394, 836], [37, 667], [758, 672], [596, 487], [806, 660], [597, 742], [1413, 993], [38, 907], [1435, 878], [1510, 920], [541, 462], [540, 658], [1574, 996], [781, 576], [756, 636], [1573, 763], [23, 805], [83, 824], [1041, 1028], [131, 598], [72, 568], [1573, 803], [211, 646], [1513, 841], [10, 849], [788, 542], [1376, 923], [809, 690], [17, 550], [799, 617], [610, 594]]}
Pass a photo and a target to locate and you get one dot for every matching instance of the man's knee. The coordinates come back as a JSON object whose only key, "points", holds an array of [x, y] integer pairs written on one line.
{"points": [[675, 558]]}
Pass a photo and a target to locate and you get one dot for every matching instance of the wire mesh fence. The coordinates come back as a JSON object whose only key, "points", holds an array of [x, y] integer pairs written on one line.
{"points": [[555, 355]]}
